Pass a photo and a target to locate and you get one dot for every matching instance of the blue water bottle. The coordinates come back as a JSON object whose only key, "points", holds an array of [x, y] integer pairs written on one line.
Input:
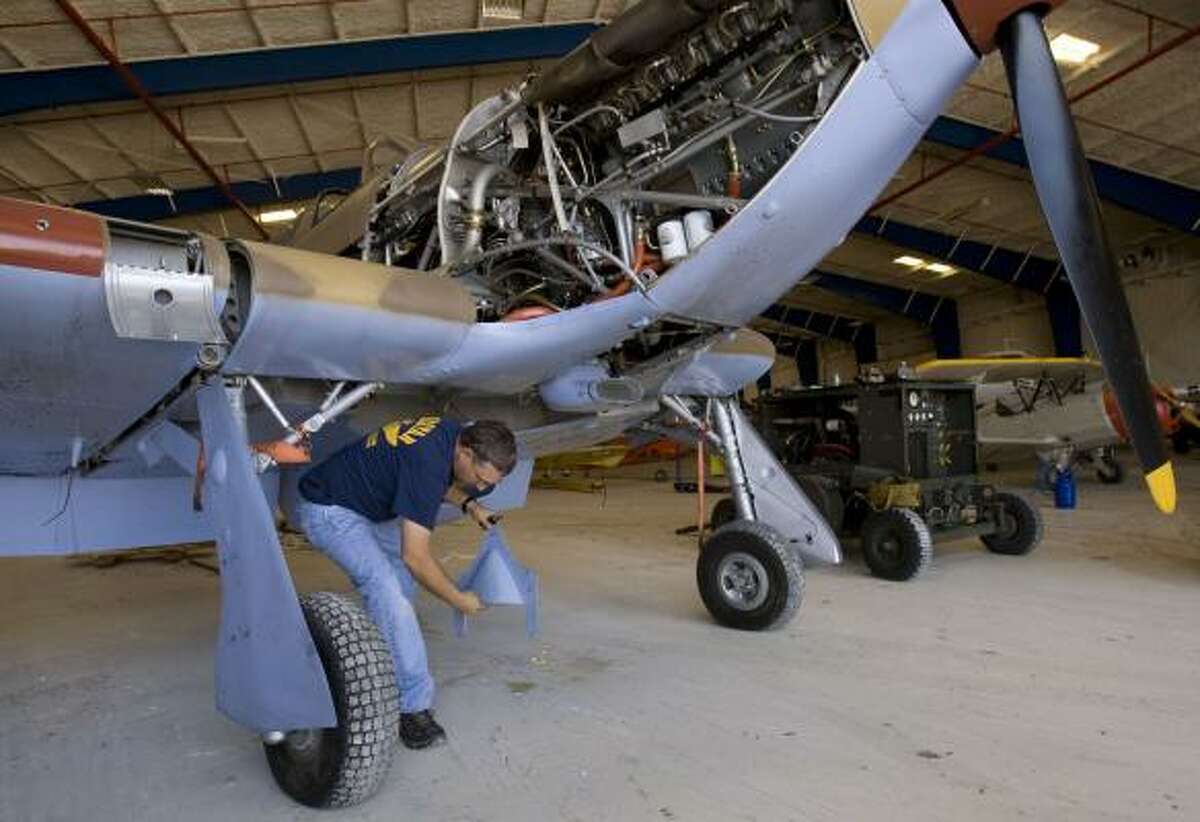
{"points": [[1064, 489]]}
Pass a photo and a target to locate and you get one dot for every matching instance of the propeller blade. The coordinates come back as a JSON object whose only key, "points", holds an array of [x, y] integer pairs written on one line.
{"points": [[1068, 196]]}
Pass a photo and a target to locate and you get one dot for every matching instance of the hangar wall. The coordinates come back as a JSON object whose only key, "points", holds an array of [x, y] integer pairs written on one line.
{"points": [[903, 340], [1005, 319], [838, 363], [784, 373], [1163, 286]]}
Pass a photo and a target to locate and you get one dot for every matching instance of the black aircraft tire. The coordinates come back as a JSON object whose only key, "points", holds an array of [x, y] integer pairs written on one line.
{"points": [[896, 544], [1021, 530], [749, 577], [343, 766], [725, 511]]}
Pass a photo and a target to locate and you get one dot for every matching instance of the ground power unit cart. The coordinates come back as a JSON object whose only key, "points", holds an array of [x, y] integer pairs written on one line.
{"points": [[894, 463]]}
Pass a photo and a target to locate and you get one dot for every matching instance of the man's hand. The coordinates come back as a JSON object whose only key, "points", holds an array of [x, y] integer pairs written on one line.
{"points": [[484, 517], [469, 603]]}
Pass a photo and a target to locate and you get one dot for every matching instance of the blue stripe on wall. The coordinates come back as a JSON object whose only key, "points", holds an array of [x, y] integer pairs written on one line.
{"points": [[939, 313], [46, 88], [149, 207], [25, 90], [1167, 202]]}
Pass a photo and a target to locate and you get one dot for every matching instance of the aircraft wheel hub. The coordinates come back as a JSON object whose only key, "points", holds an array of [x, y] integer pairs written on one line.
{"points": [[744, 581]]}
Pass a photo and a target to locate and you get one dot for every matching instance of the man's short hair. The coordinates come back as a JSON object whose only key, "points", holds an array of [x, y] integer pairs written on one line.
{"points": [[491, 441]]}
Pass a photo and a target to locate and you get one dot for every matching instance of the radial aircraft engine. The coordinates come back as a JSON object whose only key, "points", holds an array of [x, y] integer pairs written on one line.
{"points": [[579, 259]]}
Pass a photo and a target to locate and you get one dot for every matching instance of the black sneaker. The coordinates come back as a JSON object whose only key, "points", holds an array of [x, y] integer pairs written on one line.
{"points": [[420, 730]]}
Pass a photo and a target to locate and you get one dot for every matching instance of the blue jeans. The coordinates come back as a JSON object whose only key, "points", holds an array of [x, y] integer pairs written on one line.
{"points": [[369, 553]]}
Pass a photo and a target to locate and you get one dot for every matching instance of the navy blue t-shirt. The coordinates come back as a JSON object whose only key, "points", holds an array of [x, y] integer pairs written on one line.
{"points": [[402, 470]]}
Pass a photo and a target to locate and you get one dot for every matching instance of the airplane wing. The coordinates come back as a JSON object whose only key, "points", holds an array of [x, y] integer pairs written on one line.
{"points": [[987, 370]]}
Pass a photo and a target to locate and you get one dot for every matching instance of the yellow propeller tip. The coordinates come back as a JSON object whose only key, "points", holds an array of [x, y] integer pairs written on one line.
{"points": [[1162, 487]]}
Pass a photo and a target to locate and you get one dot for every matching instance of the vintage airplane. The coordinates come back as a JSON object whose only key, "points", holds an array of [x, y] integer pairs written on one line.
{"points": [[508, 274], [1058, 407]]}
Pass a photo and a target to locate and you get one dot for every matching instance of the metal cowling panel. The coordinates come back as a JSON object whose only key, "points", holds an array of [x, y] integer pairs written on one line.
{"points": [[316, 316], [68, 383]]}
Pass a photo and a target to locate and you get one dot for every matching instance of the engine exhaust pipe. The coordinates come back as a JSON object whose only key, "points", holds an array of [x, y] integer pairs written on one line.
{"points": [[639, 33]]}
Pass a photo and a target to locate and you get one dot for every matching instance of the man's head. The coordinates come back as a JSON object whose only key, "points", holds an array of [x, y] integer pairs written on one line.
{"points": [[484, 454]]}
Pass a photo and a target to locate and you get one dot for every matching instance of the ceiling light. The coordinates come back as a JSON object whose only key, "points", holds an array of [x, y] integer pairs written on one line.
{"points": [[911, 262], [285, 215], [502, 9], [1073, 50], [941, 268], [159, 191]]}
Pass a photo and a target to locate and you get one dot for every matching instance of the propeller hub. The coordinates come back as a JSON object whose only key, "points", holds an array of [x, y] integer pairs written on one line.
{"points": [[980, 20]]}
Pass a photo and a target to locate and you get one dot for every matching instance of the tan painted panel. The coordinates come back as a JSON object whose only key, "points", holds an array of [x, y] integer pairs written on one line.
{"points": [[323, 278], [875, 18], [746, 341]]}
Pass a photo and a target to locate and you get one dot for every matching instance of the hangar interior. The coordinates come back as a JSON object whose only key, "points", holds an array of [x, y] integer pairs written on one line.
{"points": [[1061, 686], [279, 144]]}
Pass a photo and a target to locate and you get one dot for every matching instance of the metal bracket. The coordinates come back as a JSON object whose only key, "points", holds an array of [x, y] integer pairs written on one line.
{"points": [[498, 579], [269, 677], [762, 488]]}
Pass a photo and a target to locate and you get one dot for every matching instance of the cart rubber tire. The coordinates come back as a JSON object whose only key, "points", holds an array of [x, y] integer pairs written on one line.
{"points": [[343, 766], [1110, 472], [749, 577], [1021, 527], [827, 499], [723, 513], [1181, 441], [896, 544]]}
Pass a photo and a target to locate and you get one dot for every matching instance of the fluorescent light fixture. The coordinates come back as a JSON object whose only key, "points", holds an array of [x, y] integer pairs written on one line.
{"points": [[911, 262], [159, 191], [941, 268], [285, 215], [502, 9], [1074, 50]]}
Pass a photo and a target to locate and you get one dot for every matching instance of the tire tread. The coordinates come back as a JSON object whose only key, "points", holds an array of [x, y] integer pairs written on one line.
{"points": [[358, 664], [913, 533]]}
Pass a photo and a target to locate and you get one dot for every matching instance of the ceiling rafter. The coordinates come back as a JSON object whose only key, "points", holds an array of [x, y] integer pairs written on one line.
{"points": [[185, 42], [26, 186], [40, 143], [131, 157], [253, 149], [23, 58], [359, 119], [254, 24], [188, 169], [333, 22], [304, 133]]}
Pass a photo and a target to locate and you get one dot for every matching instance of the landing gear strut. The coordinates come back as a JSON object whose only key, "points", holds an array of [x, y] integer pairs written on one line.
{"points": [[751, 569]]}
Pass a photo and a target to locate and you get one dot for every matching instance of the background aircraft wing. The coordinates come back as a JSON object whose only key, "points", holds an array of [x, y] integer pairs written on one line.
{"points": [[1008, 369]]}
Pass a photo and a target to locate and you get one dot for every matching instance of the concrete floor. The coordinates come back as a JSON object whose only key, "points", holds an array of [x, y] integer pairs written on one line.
{"points": [[1058, 686]]}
